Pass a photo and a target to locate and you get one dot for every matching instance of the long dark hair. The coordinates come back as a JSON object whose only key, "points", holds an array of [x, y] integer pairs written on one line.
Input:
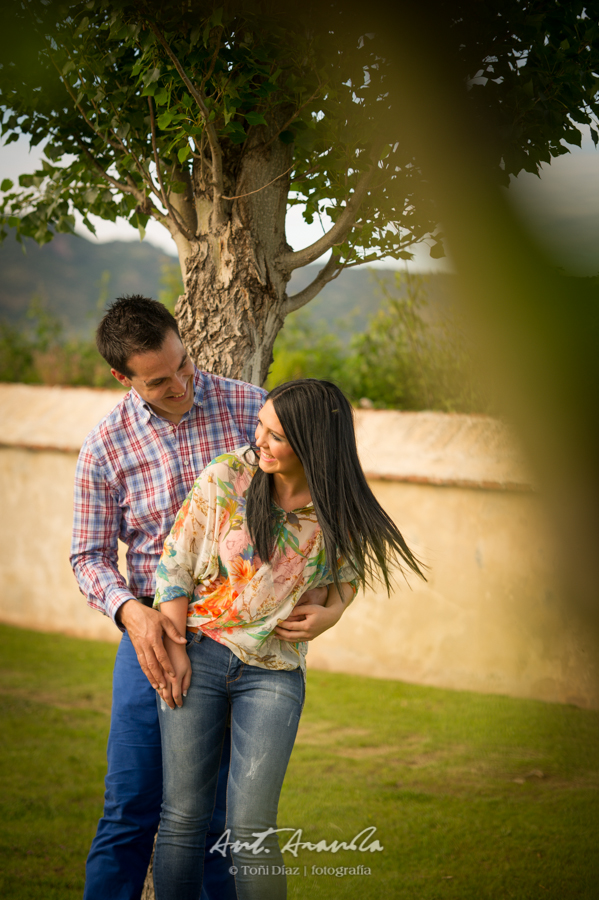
{"points": [[318, 423]]}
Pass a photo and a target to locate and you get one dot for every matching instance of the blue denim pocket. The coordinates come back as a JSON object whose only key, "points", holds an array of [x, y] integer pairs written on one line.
{"points": [[193, 637]]}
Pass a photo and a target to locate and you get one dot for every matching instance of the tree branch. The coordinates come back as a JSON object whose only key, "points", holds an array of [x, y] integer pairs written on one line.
{"points": [[116, 145], [119, 185], [328, 272], [257, 191], [172, 212], [130, 188], [336, 234], [79, 107], [215, 149], [213, 60]]}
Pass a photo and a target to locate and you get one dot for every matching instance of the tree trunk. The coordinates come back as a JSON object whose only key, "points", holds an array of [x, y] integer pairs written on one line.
{"points": [[148, 888], [235, 287]]}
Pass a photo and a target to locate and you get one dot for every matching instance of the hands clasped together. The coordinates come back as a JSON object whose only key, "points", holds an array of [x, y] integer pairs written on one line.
{"points": [[162, 650]]}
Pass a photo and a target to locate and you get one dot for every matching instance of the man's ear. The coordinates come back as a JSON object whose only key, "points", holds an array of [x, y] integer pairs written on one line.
{"points": [[122, 379]]}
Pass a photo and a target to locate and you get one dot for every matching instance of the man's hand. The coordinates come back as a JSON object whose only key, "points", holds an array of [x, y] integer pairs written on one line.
{"points": [[145, 627], [313, 597], [312, 619]]}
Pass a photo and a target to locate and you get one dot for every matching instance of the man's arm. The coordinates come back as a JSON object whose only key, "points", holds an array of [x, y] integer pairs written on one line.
{"points": [[312, 620], [94, 556]]}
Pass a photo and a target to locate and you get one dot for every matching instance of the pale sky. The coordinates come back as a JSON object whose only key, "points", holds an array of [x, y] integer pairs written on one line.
{"points": [[561, 209]]}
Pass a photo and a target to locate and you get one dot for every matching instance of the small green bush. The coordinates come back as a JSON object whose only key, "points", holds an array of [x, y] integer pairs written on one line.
{"points": [[42, 354], [406, 358]]}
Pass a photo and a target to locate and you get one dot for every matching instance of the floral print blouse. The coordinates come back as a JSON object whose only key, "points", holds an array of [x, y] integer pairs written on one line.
{"points": [[234, 597]]}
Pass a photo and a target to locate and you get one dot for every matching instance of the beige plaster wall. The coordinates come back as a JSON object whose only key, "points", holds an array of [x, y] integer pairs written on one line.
{"points": [[37, 586], [490, 617]]}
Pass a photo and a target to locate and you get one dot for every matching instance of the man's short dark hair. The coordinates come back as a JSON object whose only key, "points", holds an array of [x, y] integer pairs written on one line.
{"points": [[133, 324]]}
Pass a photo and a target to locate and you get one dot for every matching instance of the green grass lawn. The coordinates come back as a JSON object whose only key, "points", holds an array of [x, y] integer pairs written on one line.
{"points": [[472, 796]]}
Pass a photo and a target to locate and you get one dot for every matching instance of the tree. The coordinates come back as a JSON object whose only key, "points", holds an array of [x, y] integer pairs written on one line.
{"points": [[211, 118]]}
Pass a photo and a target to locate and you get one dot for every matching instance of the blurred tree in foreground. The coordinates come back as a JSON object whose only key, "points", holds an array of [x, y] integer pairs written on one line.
{"points": [[409, 357]]}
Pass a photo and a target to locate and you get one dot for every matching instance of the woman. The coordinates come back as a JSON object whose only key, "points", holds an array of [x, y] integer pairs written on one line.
{"points": [[252, 536]]}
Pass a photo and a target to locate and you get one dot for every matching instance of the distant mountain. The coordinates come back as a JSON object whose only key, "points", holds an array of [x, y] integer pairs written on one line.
{"points": [[70, 274], [75, 278]]}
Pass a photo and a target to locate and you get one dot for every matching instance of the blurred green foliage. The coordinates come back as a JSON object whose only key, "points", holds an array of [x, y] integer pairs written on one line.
{"points": [[39, 351], [171, 285], [409, 357]]}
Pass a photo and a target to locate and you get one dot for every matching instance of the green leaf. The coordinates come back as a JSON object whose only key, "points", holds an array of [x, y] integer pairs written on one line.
{"points": [[183, 153], [152, 76], [165, 120], [287, 137], [255, 118], [235, 132], [437, 251], [6, 185]]}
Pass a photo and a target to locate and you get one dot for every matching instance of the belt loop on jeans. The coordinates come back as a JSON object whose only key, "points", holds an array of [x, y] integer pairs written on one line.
{"points": [[146, 601]]}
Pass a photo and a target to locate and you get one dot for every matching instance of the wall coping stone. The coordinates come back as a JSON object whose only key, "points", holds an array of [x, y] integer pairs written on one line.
{"points": [[444, 449]]}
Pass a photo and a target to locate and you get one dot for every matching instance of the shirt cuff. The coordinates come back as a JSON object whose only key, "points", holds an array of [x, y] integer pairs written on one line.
{"points": [[172, 592], [117, 597]]}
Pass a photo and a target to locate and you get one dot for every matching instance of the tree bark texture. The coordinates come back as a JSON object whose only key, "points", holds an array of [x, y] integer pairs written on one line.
{"points": [[234, 272]]}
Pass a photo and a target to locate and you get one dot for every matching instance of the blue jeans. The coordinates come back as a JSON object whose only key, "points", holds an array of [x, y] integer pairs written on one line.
{"points": [[265, 707], [121, 850]]}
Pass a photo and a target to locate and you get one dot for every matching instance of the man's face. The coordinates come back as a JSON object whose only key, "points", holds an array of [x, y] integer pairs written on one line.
{"points": [[163, 378]]}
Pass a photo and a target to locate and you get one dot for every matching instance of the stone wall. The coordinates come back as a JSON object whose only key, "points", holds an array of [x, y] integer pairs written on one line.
{"points": [[489, 618]]}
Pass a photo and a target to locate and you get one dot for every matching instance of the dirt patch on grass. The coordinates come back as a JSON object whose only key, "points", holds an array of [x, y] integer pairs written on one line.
{"points": [[321, 733], [98, 702]]}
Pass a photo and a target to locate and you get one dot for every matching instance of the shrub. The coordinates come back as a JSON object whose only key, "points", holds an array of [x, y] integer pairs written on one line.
{"points": [[405, 359]]}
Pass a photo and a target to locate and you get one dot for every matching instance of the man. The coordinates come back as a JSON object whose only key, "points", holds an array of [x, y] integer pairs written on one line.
{"points": [[134, 471]]}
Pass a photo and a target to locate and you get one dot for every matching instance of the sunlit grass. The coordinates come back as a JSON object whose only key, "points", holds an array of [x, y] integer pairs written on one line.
{"points": [[472, 796]]}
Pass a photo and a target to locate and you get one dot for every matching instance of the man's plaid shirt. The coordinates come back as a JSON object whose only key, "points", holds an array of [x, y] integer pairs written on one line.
{"points": [[135, 470]]}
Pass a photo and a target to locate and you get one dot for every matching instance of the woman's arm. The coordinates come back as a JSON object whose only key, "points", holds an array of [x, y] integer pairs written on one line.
{"points": [[176, 688], [309, 621]]}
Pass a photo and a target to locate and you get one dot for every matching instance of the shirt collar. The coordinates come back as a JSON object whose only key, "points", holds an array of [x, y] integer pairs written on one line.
{"points": [[198, 387]]}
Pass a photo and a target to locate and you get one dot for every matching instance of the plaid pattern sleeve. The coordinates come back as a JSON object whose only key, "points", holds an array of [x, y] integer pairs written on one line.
{"points": [[96, 525], [135, 470]]}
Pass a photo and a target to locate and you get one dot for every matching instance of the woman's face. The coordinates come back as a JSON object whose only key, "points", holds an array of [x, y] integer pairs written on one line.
{"points": [[276, 455]]}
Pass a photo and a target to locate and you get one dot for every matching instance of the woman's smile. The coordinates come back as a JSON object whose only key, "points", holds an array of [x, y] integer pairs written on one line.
{"points": [[276, 453]]}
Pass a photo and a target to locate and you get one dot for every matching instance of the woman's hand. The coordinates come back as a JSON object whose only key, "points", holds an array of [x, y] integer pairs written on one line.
{"points": [[177, 686]]}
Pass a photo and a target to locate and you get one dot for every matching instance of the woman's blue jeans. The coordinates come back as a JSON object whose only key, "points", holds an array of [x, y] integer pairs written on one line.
{"points": [[265, 707]]}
